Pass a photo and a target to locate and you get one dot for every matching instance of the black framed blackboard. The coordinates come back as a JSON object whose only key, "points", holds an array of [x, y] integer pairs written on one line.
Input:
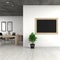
{"points": [[46, 25]]}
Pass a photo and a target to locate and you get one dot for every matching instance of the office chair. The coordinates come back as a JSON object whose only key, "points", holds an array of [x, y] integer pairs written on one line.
{"points": [[1, 38], [12, 38]]}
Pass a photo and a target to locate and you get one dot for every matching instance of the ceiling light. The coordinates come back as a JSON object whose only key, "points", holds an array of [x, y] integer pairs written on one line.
{"points": [[12, 5], [7, 2]]}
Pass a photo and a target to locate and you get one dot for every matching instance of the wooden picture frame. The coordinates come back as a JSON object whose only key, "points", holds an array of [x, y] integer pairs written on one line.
{"points": [[48, 19]]}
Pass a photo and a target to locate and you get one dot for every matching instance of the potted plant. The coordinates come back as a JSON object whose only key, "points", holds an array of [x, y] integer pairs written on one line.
{"points": [[32, 39]]}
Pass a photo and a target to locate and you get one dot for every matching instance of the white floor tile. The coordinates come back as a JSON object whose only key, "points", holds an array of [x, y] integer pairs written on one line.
{"points": [[11, 52]]}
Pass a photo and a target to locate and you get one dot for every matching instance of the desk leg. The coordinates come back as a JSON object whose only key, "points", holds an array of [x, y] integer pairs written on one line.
{"points": [[16, 40]]}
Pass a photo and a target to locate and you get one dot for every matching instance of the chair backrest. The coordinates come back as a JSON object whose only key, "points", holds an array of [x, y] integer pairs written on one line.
{"points": [[13, 33], [0, 33]]}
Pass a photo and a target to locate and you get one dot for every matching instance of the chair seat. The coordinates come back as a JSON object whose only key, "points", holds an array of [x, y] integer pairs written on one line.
{"points": [[2, 38], [11, 38]]}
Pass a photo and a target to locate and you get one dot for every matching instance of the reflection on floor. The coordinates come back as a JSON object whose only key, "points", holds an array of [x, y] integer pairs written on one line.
{"points": [[12, 52]]}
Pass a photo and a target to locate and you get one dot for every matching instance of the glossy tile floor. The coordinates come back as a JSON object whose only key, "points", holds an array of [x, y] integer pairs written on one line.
{"points": [[12, 52]]}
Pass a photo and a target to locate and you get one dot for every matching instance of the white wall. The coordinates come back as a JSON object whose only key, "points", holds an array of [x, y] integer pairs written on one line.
{"points": [[17, 23], [30, 12]]}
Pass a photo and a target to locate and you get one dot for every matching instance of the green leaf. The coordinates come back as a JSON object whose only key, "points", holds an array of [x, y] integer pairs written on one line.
{"points": [[32, 37]]}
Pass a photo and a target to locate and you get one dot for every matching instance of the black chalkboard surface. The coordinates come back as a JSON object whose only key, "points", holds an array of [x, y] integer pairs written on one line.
{"points": [[46, 26]]}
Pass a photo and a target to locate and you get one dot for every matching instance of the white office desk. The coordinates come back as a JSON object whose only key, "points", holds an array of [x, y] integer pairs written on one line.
{"points": [[17, 37]]}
